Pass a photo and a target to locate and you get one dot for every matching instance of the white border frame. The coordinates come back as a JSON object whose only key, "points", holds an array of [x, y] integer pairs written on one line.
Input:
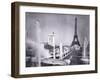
{"points": [[38, 70]]}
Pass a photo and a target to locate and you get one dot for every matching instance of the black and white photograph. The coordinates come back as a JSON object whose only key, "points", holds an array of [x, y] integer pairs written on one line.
{"points": [[56, 39]]}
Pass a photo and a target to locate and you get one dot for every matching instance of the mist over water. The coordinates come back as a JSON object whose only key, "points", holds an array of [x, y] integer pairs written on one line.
{"points": [[37, 46]]}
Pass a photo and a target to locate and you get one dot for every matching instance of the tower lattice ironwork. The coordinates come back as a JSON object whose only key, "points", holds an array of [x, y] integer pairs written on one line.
{"points": [[75, 39]]}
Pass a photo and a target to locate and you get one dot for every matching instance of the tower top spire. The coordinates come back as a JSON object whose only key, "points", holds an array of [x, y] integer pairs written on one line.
{"points": [[75, 25]]}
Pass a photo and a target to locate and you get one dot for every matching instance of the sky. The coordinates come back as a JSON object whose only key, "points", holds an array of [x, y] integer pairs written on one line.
{"points": [[40, 25]]}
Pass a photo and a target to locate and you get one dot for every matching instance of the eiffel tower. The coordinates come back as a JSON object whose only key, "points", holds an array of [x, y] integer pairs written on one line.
{"points": [[75, 39]]}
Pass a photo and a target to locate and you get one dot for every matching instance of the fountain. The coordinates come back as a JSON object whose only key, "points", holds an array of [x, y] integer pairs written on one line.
{"points": [[84, 53]]}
